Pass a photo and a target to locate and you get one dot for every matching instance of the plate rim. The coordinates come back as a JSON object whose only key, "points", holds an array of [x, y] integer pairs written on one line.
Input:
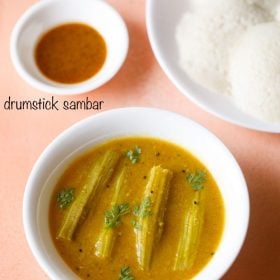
{"points": [[188, 91]]}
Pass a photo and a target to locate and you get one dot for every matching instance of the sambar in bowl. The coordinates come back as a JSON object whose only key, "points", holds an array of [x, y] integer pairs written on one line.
{"points": [[136, 193]]}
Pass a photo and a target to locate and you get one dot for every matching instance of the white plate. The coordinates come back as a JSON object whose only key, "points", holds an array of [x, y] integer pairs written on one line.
{"points": [[162, 17], [131, 122]]}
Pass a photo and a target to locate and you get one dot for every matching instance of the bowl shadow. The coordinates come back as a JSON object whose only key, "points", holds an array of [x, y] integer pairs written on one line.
{"points": [[138, 64], [259, 259]]}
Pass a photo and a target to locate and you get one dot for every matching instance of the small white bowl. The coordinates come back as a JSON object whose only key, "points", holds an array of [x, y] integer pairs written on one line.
{"points": [[131, 122], [162, 17], [47, 14]]}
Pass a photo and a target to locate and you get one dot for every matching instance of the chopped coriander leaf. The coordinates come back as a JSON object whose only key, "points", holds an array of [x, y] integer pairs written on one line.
{"points": [[136, 210], [126, 273], [112, 216], [65, 197], [197, 179], [134, 155], [142, 210], [136, 225]]}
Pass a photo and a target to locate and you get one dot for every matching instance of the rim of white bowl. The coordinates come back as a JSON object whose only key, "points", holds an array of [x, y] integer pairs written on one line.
{"points": [[29, 209], [68, 89], [187, 91]]}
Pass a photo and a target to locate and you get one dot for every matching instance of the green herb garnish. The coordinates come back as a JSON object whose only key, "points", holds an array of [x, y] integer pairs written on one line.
{"points": [[134, 155], [197, 179], [136, 225], [112, 216], [65, 197], [142, 210], [126, 273]]}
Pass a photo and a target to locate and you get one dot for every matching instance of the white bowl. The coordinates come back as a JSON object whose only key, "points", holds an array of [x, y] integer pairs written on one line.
{"points": [[127, 122], [47, 14], [162, 17]]}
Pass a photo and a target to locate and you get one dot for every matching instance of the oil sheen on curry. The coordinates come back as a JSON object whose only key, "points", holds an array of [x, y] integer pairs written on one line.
{"points": [[136, 208], [70, 53]]}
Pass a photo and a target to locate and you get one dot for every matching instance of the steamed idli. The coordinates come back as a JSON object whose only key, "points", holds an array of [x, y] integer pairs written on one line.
{"points": [[254, 72], [206, 35]]}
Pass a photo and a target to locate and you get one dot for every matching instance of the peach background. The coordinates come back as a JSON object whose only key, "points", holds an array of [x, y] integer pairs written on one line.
{"points": [[24, 134]]}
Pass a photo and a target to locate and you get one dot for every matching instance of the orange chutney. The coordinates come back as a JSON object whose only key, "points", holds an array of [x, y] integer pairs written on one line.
{"points": [[79, 253], [70, 53]]}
